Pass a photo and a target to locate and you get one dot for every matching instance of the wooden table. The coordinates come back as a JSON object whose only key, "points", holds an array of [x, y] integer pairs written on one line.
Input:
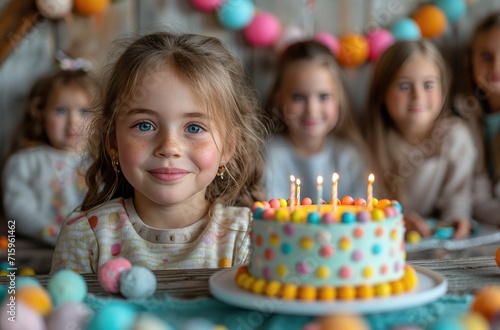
{"points": [[464, 275]]}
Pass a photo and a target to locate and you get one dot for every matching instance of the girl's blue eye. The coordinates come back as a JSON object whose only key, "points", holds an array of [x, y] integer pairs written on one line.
{"points": [[297, 98], [61, 111], [145, 126], [324, 97], [428, 85], [194, 129], [405, 86]]}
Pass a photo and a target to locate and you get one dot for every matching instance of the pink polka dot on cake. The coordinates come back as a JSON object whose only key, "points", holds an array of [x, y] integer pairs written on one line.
{"points": [[357, 255], [345, 272], [109, 274], [326, 251], [303, 268], [289, 229], [267, 273]]}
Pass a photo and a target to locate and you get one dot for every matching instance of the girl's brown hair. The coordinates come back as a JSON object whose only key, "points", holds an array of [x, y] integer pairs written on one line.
{"points": [[377, 123], [218, 81]]}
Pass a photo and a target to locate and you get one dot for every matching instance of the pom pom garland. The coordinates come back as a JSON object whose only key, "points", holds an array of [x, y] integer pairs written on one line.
{"points": [[261, 29]]}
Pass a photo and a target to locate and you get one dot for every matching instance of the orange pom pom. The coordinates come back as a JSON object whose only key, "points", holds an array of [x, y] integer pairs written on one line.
{"points": [[431, 20], [487, 302], [353, 50], [91, 7]]}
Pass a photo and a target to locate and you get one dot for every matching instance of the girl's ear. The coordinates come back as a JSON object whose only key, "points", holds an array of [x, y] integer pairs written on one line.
{"points": [[111, 146], [229, 149]]}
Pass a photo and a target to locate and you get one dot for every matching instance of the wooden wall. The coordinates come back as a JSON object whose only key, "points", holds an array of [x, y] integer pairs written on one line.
{"points": [[92, 38]]}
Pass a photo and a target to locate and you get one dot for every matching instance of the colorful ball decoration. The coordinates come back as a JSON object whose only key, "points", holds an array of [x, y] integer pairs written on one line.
{"points": [[431, 20], [91, 7], [263, 30], [236, 14], [290, 35], [453, 9], [329, 41], [206, 5], [54, 9], [353, 50], [378, 41], [405, 29]]}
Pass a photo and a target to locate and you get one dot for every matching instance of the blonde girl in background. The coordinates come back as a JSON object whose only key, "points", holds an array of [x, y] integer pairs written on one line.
{"points": [[425, 156], [480, 106], [43, 176], [315, 133], [174, 129]]}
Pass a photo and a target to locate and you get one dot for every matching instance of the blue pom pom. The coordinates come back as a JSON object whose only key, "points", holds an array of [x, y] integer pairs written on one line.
{"points": [[236, 14], [137, 282], [66, 285], [453, 9], [405, 29], [113, 316]]}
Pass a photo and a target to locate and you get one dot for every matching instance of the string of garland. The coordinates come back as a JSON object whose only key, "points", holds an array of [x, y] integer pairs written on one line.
{"points": [[263, 29]]}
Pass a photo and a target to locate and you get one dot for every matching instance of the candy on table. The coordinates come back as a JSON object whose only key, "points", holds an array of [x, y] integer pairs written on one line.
{"points": [[413, 237], [35, 297], [444, 232], [109, 274], [137, 282], [66, 285], [27, 271], [26, 281]]}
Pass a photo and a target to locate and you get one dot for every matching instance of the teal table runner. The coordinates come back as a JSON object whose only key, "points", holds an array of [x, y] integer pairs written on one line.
{"points": [[176, 312]]}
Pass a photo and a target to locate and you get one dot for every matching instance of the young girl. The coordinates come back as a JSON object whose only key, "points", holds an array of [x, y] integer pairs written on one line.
{"points": [[481, 107], [43, 178], [174, 130], [316, 133], [425, 157]]}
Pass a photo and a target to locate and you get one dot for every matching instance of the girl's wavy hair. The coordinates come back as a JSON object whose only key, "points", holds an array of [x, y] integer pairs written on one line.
{"points": [[377, 122], [218, 82]]}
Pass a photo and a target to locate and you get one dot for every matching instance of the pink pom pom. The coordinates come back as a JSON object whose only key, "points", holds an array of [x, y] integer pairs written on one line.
{"points": [[263, 30], [378, 41], [206, 5], [328, 40], [109, 274]]}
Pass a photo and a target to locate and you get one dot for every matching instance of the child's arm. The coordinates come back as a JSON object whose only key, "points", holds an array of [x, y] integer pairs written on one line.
{"points": [[455, 201], [77, 247], [22, 202]]}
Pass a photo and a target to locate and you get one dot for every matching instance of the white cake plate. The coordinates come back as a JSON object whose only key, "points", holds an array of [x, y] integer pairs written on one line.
{"points": [[431, 286]]}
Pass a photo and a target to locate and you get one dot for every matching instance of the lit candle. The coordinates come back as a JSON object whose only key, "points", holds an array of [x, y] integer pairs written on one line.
{"points": [[335, 182], [319, 188], [292, 192], [298, 191], [369, 191]]}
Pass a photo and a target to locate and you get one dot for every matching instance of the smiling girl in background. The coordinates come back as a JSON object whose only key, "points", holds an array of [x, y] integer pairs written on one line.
{"points": [[43, 178], [425, 156]]}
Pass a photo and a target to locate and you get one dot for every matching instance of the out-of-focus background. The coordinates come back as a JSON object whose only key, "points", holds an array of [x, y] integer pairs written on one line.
{"points": [[29, 51]]}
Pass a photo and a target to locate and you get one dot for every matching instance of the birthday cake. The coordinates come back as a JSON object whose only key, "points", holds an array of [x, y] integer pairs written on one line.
{"points": [[347, 251]]}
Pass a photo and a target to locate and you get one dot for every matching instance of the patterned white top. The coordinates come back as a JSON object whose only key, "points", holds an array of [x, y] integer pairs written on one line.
{"points": [[89, 239], [41, 187]]}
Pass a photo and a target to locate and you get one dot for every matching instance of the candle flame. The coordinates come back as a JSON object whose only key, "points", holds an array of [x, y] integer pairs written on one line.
{"points": [[335, 177], [320, 180], [371, 178], [292, 178], [298, 182]]}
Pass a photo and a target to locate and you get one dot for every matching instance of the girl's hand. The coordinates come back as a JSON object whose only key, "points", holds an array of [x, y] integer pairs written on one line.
{"points": [[415, 222], [462, 228]]}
